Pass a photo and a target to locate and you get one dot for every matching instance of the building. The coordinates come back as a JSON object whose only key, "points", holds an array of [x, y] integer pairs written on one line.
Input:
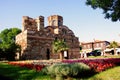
{"points": [[96, 45], [36, 39]]}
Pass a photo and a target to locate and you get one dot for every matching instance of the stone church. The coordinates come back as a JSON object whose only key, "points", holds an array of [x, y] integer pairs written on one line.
{"points": [[36, 40]]}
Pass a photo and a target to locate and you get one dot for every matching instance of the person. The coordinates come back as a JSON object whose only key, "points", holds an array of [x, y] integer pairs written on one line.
{"points": [[85, 54], [82, 55]]}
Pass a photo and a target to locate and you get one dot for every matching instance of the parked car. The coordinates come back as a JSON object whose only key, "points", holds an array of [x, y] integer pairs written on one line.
{"points": [[94, 53]]}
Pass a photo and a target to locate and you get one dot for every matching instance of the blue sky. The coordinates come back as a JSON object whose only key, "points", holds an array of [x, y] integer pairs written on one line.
{"points": [[86, 23]]}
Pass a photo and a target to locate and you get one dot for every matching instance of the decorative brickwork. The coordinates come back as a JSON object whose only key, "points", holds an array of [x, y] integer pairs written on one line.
{"points": [[36, 40]]}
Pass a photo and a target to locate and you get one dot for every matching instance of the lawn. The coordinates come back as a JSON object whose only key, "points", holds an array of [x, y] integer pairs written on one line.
{"points": [[17, 73], [108, 56], [110, 74]]}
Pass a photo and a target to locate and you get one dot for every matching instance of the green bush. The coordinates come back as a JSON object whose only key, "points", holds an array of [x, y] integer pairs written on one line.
{"points": [[67, 70], [44, 71], [80, 70]]}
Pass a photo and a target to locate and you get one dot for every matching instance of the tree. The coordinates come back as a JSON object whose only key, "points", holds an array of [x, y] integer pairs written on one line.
{"points": [[114, 45], [111, 8], [8, 45], [59, 46]]}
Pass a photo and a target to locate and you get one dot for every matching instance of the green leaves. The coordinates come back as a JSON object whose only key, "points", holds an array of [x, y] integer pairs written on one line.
{"points": [[8, 45], [59, 45], [68, 70], [8, 35], [113, 44], [111, 8]]}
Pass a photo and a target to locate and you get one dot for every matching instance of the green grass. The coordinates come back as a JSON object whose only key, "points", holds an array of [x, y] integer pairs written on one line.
{"points": [[17, 73], [110, 74], [109, 56]]}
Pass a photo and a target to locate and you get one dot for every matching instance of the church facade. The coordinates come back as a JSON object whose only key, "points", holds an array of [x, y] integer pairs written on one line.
{"points": [[36, 40]]}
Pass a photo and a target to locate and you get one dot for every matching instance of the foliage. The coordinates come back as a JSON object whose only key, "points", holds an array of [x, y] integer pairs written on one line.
{"points": [[15, 73], [68, 70], [100, 57], [114, 45], [59, 45], [21, 73], [1, 53], [8, 45], [80, 69], [80, 48], [8, 35], [111, 8], [97, 65]]}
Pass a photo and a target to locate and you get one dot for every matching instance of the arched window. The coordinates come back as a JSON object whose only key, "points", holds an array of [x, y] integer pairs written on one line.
{"points": [[53, 22]]}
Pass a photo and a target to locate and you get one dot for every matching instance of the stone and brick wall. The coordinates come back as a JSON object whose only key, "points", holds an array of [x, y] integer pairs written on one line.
{"points": [[36, 40]]}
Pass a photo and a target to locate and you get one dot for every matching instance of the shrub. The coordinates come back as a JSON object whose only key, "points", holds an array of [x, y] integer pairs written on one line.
{"points": [[80, 70], [67, 70], [44, 71]]}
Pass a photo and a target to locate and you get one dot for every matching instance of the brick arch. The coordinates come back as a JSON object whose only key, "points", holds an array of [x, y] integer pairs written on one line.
{"points": [[48, 53], [47, 50]]}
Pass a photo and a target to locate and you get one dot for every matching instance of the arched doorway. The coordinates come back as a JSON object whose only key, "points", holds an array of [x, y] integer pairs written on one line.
{"points": [[66, 56], [48, 53]]}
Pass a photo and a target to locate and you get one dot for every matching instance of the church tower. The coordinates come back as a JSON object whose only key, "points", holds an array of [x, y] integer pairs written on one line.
{"points": [[55, 20]]}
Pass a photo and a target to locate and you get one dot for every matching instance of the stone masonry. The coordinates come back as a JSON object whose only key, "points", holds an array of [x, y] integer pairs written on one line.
{"points": [[36, 39]]}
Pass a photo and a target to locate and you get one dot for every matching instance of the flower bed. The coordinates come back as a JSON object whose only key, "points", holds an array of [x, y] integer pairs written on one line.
{"points": [[97, 65], [28, 65], [38, 65]]}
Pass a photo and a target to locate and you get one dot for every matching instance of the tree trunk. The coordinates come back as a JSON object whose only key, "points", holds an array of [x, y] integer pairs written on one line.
{"points": [[59, 77], [115, 52], [69, 78], [61, 56]]}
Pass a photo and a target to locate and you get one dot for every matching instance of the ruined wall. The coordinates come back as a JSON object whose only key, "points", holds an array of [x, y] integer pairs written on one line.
{"points": [[73, 43], [21, 39], [32, 24], [36, 40], [38, 44]]}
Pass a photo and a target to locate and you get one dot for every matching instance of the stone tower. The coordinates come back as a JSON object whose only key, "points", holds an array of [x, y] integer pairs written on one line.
{"points": [[55, 20], [32, 24]]}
